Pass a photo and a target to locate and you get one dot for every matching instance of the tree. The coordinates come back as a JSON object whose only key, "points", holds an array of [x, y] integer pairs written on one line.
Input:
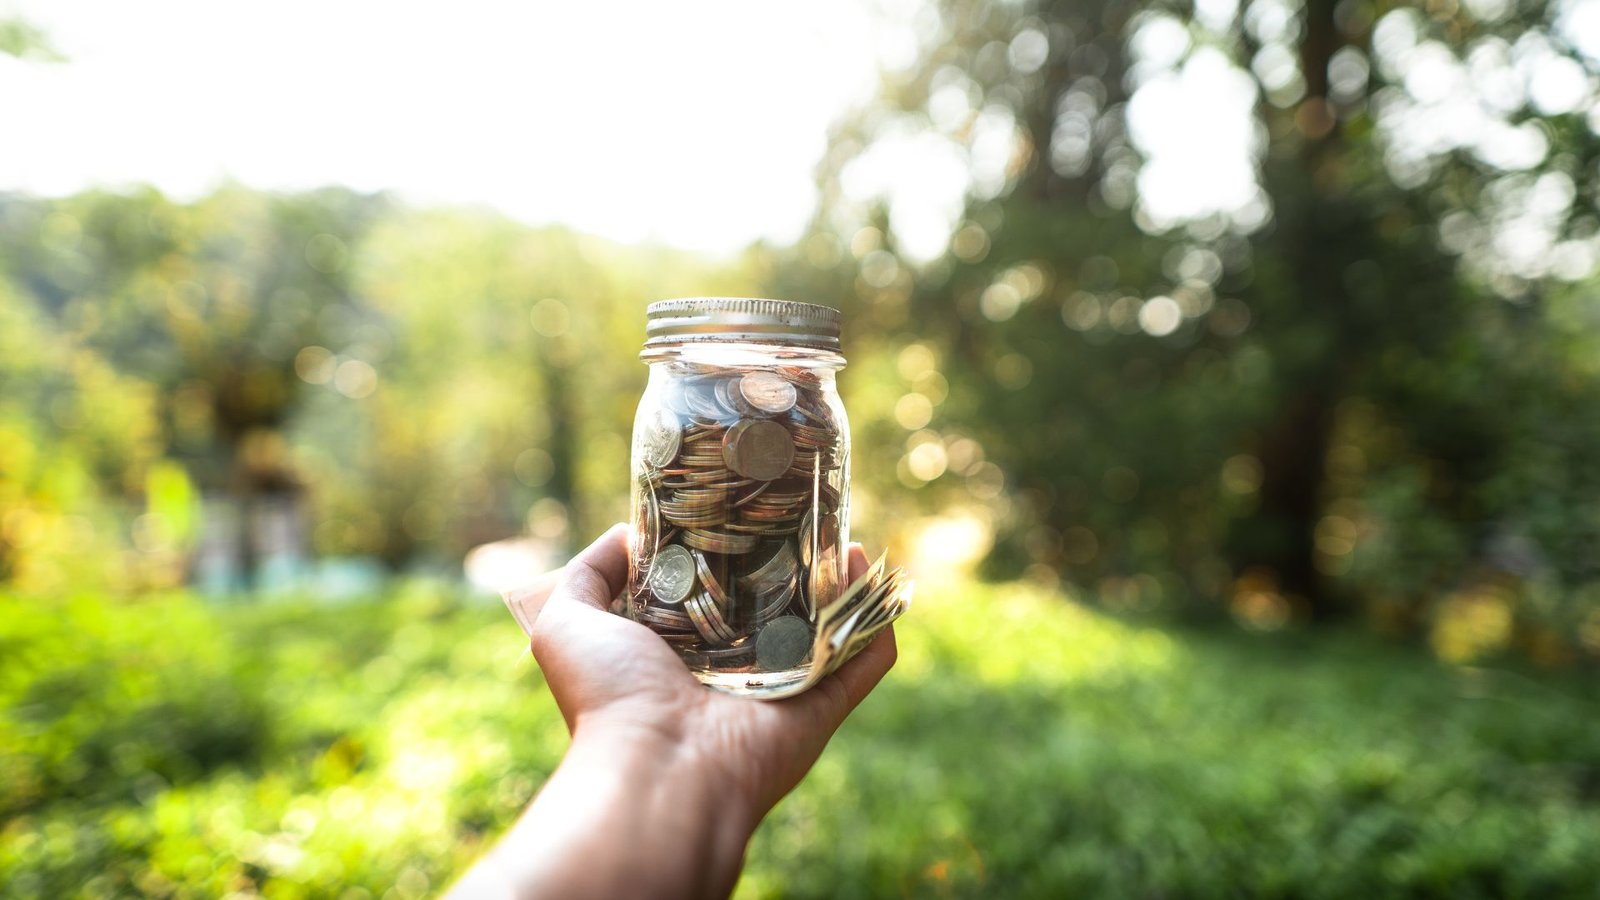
{"points": [[210, 305], [1221, 401]]}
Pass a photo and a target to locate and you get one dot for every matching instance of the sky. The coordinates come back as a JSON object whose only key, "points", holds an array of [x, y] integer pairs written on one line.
{"points": [[697, 124]]}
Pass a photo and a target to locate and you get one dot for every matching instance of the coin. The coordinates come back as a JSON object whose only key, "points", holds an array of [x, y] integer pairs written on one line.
{"points": [[672, 575], [807, 536], [718, 542], [728, 397], [783, 644], [645, 537], [708, 619], [824, 582], [767, 392], [692, 507], [661, 438], [665, 619], [737, 650], [698, 615], [703, 401], [781, 564], [676, 398], [708, 579], [758, 448], [775, 601]]}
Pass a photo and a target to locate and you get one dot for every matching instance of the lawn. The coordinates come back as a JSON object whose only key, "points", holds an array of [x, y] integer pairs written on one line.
{"points": [[1024, 746]]}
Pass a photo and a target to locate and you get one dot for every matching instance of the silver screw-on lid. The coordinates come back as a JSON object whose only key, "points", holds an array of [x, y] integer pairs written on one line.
{"points": [[741, 319]]}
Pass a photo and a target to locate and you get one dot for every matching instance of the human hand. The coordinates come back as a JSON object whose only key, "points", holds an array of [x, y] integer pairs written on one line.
{"points": [[663, 772], [609, 674]]}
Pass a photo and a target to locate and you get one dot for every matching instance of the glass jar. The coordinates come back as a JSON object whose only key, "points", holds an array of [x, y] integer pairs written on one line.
{"points": [[741, 487]]}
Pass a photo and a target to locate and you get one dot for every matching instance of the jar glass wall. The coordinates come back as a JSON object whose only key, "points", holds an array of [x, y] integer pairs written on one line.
{"points": [[740, 491]]}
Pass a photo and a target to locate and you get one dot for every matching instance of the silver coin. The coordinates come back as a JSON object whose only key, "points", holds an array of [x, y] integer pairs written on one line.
{"points": [[708, 620], [661, 438], [704, 402], [675, 398], [708, 579], [728, 397], [767, 391], [783, 644], [782, 564], [775, 599], [672, 575]]}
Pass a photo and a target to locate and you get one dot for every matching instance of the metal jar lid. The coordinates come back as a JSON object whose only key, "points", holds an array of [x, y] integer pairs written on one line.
{"points": [[741, 319]]}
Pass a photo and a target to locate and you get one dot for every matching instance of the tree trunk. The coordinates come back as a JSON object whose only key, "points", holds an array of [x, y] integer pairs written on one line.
{"points": [[1293, 451], [555, 370]]}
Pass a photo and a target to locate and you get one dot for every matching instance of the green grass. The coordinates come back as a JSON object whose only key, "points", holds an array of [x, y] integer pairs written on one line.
{"points": [[1023, 747]]}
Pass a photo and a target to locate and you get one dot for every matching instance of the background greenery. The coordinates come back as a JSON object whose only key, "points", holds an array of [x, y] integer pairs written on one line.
{"points": [[1025, 746], [1280, 525]]}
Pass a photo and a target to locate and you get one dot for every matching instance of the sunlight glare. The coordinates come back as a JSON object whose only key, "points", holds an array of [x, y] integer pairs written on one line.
{"points": [[1196, 125], [697, 125]]}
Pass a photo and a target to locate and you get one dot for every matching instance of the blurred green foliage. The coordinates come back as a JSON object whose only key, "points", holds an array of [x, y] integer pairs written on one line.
{"points": [[1024, 746], [1367, 392], [1370, 392], [417, 380], [21, 38]]}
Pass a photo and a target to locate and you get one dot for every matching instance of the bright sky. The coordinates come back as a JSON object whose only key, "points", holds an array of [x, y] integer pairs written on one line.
{"points": [[695, 123], [698, 123]]}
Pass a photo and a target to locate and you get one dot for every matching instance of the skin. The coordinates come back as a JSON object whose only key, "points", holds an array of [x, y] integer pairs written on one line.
{"points": [[665, 780]]}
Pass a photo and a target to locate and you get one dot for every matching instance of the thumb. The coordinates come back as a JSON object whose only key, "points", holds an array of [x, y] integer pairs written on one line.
{"points": [[589, 657]]}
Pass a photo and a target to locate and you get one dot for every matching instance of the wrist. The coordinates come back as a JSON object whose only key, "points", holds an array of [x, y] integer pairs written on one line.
{"points": [[670, 750], [664, 759], [632, 805]]}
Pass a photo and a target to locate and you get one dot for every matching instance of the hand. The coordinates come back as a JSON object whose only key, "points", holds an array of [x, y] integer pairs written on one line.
{"points": [[609, 673], [687, 771]]}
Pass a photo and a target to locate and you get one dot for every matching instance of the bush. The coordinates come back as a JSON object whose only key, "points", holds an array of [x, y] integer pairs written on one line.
{"points": [[1024, 746]]}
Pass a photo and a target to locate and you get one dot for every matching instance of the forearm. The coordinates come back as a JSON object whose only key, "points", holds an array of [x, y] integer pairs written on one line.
{"points": [[622, 816]]}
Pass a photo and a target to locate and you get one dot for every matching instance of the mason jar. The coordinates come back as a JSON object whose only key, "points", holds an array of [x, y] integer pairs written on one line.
{"points": [[741, 486]]}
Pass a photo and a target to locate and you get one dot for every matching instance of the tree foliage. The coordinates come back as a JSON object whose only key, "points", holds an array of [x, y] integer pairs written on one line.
{"points": [[414, 380], [1361, 390]]}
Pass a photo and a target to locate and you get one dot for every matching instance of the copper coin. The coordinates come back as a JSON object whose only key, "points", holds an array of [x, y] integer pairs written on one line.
{"points": [[824, 581], [758, 448]]}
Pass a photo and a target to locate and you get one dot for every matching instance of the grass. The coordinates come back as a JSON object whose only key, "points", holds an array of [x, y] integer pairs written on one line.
{"points": [[1024, 746]]}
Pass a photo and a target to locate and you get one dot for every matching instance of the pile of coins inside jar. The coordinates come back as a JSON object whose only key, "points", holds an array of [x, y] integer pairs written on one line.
{"points": [[737, 524]]}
